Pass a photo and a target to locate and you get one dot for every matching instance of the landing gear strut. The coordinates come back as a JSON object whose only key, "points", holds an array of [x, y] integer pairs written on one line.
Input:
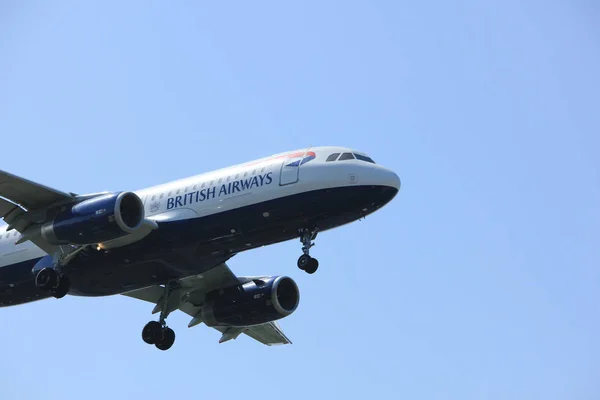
{"points": [[157, 332], [306, 262]]}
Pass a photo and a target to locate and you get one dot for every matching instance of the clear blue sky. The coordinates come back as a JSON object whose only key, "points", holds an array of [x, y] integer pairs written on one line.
{"points": [[480, 281]]}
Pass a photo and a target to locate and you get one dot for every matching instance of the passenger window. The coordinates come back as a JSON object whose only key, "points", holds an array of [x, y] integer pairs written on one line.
{"points": [[262, 170], [202, 185], [186, 189], [364, 158], [333, 157], [195, 187], [170, 194], [254, 172], [220, 180], [153, 197], [347, 156], [237, 176], [161, 195]]}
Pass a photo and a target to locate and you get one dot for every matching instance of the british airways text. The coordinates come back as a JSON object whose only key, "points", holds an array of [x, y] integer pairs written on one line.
{"points": [[226, 189]]}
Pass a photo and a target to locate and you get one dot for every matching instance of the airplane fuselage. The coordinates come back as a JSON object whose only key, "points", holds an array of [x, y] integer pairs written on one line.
{"points": [[206, 219]]}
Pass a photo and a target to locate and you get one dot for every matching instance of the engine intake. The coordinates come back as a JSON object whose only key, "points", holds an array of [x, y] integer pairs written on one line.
{"points": [[253, 303], [95, 220]]}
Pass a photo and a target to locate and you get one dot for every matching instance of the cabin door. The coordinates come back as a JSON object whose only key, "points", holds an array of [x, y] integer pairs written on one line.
{"points": [[290, 169]]}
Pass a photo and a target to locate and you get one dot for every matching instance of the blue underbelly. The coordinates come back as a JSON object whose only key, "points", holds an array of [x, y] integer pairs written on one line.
{"points": [[182, 248]]}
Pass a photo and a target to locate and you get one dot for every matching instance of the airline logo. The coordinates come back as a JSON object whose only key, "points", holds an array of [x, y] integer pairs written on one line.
{"points": [[306, 157], [223, 190]]}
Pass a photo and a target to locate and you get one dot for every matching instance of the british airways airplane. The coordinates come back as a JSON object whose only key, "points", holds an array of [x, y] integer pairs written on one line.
{"points": [[169, 244]]}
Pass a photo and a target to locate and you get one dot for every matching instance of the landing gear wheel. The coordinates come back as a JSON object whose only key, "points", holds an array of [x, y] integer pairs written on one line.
{"points": [[61, 290], [312, 266], [46, 279], [304, 261], [157, 332], [152, 332], [167, 340]]}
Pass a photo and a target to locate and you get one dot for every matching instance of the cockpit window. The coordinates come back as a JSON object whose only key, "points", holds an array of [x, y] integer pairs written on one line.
{"points": [[347, 156], [333, 157], [364, 158]]}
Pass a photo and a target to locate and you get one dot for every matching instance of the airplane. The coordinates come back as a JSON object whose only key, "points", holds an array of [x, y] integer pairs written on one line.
{"points": [[169, 244]]}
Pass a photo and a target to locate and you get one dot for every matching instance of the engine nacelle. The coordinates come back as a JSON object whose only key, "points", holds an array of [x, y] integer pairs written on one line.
{"points": [[253, 303], [105, 217]]}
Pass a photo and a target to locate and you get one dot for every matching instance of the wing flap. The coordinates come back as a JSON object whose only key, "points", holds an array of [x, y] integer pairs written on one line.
{"points": [[7, 208], [269, 334], [150, 294]]}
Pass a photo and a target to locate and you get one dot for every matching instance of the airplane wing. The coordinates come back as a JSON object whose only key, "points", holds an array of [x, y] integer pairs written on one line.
{"points": [[6, 207], [191, 297], [19, 198], [28, 194], [24, 203]]}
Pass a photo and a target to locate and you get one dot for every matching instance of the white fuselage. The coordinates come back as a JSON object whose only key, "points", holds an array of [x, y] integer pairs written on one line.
{"points": [[237, 186]]}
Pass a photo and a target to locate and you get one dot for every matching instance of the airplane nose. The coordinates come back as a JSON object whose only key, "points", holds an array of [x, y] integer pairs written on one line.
{"points": [[384, 190], [383, 176], [394, 180]]}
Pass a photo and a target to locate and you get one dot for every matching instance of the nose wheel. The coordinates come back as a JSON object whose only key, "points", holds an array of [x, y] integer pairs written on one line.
{"points": [[306, 262]]}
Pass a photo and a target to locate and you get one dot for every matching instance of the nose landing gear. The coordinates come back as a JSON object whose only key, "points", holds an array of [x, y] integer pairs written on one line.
{"points": [[306, 262]]}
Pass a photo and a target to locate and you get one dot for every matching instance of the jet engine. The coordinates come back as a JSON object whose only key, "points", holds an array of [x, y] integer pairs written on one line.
{"points": [[105, 217], [253, 303]]}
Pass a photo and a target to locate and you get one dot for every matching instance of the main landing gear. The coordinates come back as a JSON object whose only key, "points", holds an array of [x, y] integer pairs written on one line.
{"points": [[48, 279], [157, 332], [49, 274], [159, 335], [306, 262]]}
